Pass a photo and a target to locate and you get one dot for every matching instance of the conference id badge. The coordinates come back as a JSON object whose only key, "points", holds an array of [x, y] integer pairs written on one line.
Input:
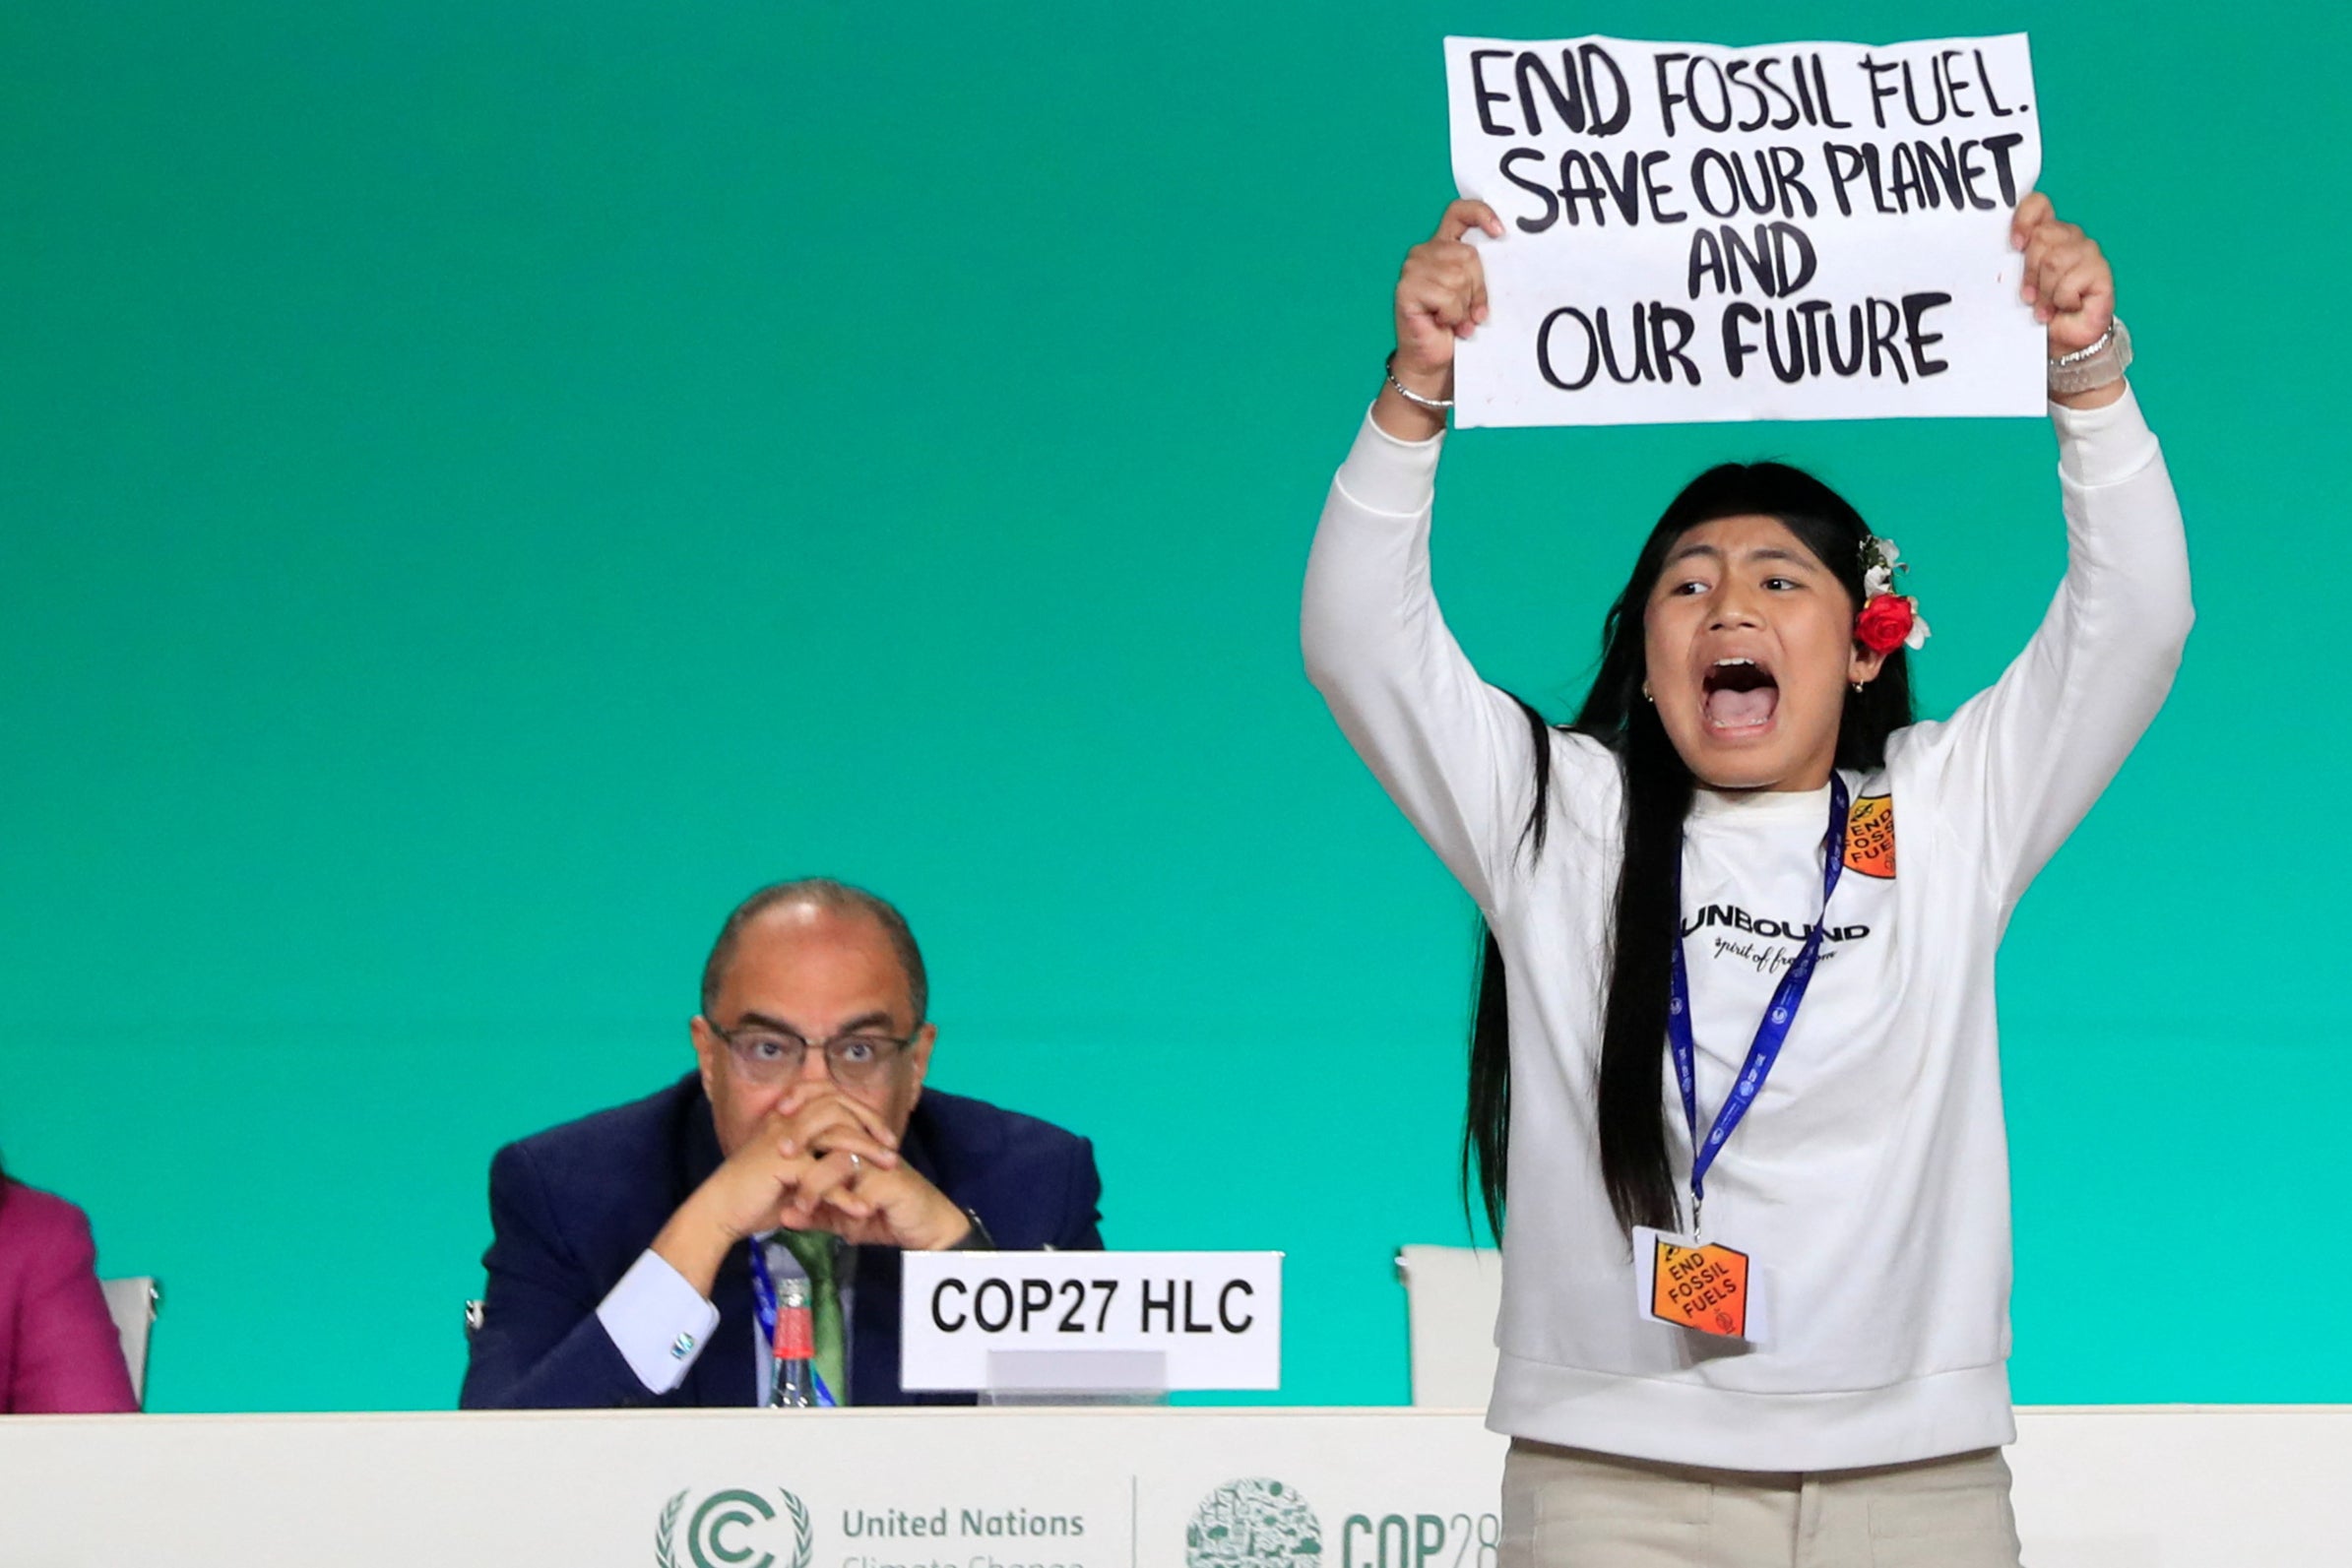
{"points": [[1703, 1285]]}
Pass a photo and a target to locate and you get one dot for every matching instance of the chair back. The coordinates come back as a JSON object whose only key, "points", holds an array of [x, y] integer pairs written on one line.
{"points": [[132, 1302], [1452, 1296]]}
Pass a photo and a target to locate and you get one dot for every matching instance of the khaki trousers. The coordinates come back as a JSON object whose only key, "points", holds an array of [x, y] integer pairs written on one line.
{"points": [[1567, 1508]]}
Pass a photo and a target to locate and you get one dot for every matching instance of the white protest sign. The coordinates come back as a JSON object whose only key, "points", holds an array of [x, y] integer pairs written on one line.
{"points": [[1795, 231], [1086, 1320]]}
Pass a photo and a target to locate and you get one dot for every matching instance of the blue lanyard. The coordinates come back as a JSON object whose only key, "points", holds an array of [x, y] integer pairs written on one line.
{"points": [[763, 1311], [1771, 1034]]}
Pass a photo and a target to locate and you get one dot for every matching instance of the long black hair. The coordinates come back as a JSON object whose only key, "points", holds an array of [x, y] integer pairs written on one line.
{"points": [[1630, 1105]]}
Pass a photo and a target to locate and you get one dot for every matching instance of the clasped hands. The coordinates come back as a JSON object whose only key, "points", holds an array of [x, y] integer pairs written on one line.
{"points": [[822, 1160], [819, 1161]]}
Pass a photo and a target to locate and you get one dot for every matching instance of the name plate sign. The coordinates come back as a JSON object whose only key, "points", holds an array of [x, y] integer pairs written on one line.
{"points": [[1137, 1321]]}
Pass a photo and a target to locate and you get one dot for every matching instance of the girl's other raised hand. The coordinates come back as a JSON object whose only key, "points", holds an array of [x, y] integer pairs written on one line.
{"points": [[1441, 299]]}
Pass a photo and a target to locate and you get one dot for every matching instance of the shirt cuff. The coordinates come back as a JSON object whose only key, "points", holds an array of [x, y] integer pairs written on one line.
{"points": [[1385, 475], [2101, 446], [656, 1321]]}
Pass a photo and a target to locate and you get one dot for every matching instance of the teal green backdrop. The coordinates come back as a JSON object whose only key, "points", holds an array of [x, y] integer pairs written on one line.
{"points": [[482, 487]]}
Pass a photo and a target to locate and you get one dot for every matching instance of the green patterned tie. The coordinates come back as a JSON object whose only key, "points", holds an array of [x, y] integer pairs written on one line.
{"points": [[814, 1250]]}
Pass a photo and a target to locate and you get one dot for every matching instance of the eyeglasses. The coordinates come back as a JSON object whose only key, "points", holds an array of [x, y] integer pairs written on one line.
{"points": [[770, 1055]]}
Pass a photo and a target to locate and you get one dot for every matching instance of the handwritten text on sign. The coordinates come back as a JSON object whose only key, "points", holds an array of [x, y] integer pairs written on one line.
{"points": [[1800, 232], [1206, 1320]]}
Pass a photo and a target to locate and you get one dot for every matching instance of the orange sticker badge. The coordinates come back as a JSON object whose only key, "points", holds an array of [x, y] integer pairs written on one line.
{"points": [[1701, 1287], [1870, 837]]}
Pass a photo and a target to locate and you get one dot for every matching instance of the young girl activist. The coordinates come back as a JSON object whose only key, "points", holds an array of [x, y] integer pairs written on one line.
{"points": [[1745, 905]]}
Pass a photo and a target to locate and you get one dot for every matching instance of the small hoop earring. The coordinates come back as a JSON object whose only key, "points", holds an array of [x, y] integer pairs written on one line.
{"points": [[1645, 693]]}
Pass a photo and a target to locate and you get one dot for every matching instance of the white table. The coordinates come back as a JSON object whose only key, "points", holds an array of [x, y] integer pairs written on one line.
{"points": [[2160, 1488]]}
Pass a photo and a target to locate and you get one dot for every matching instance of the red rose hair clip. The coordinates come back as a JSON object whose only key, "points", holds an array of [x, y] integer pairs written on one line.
{"points": [[1888, 619]]}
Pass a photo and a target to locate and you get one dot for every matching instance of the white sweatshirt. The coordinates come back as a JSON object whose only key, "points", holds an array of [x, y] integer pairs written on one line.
{"points": [[1870, 1180]]}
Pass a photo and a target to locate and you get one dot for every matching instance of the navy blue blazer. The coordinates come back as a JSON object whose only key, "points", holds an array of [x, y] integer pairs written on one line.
{"points": [[572, 1208]]}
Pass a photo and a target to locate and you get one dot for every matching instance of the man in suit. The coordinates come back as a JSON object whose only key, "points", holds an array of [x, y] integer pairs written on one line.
{"points": [[637, 1252]]}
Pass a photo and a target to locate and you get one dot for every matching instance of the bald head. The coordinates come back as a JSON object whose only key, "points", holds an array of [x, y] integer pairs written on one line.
{"points": [[812, 901]]}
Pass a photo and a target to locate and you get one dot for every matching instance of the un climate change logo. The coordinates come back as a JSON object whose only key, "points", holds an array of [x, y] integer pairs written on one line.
{"points": [[733, 1529], [1254, 1523]]}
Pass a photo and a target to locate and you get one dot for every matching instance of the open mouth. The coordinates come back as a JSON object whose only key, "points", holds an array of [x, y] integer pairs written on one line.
{"points": [[1739, 694]]}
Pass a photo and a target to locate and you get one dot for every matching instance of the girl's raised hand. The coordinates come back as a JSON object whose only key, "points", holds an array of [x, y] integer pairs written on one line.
{"points": [[1441, 297], [2068, 280]]}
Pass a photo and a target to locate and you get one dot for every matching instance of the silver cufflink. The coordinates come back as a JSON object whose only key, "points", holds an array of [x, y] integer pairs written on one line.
{"points": [[686, 1342]]}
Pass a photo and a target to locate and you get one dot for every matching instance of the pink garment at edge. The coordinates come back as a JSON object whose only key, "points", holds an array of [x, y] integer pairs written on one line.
{"points": [[58, 1349]]}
